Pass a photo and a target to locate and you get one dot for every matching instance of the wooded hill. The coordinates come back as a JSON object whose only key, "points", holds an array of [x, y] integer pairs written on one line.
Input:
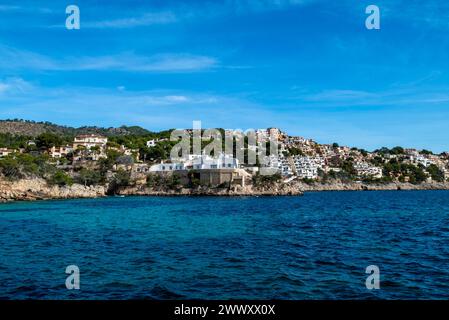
{"points": [[32, 129]]}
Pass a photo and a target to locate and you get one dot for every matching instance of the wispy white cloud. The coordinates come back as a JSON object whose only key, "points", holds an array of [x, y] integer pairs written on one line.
{"points": [[153, 109], [18, 89], [162, 109], [263, 5], [225, 8], [420, 14], [398, 96], [147, 19], [27, 9], [13, 86], [343, 96], [13, 59], [192, 11], [137, 63]]}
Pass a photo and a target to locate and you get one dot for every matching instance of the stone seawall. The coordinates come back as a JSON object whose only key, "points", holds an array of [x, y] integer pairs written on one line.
{"points": [[38, 189]]}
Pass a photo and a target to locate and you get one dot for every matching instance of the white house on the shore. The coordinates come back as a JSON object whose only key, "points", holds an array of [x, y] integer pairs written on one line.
{"points": [[223, 161], [199, 162]]}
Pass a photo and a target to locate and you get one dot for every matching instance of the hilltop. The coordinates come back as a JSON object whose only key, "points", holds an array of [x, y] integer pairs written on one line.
{"points": [[30, 128]]}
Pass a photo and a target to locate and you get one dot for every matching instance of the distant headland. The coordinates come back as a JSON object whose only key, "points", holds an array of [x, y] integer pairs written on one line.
{"points": [[41, 160]]}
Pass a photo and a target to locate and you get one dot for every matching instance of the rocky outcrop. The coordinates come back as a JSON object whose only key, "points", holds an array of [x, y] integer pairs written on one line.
{"points": [[282, 189], [275, 190], [38, 189], [354, 186]]}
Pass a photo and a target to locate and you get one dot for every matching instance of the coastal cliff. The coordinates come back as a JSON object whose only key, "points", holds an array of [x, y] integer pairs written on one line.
{"points": [[38, 189]]}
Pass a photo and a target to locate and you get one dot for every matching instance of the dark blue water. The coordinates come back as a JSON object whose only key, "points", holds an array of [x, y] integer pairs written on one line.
{"points": [[311, 247]]}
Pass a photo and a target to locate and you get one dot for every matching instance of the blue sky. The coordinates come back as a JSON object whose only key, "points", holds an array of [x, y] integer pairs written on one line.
{"points": [[309, 67]]}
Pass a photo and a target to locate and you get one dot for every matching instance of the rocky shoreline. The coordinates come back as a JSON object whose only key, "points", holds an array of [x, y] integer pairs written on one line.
{"points": [[38, 189], [277, 190], [354, 186]]}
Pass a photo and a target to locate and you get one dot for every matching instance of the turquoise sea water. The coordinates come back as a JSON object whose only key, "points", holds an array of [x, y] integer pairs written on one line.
{"points": [[312, 247]]}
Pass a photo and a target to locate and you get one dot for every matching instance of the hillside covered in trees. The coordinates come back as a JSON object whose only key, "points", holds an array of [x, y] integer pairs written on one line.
{"points": [[30, 128]]}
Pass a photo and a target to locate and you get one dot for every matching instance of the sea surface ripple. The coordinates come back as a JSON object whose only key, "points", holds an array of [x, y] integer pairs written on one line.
{"points": [[315, 246]]}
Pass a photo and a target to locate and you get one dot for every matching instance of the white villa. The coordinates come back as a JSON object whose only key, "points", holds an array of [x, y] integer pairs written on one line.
{"points": [[59, 152], [90, 140], [420, 159], [199, 162]]}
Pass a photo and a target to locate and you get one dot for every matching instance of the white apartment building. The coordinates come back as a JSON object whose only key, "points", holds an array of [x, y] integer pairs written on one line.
{"points": [[420, 159], [223, 161], [366, 170], [285, 167], [167, 167], [281, 164], [307, 167]]}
